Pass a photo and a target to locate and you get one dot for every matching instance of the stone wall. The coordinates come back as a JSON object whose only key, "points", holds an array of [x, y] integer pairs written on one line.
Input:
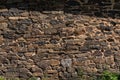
{"points": [[56, 45]]}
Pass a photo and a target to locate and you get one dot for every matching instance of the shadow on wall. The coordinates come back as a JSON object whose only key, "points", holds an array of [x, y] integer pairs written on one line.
{"points": [[100, 8]]}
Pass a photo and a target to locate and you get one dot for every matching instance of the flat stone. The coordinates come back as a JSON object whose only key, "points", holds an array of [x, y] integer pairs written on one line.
{"points": [[37, 74], [16, 18], [30, 54], [43, 64], [24, 14], [95, 47], [54, 62], [53, 12], [3, 10], [84, 49], [50, 31], [52, 71]]}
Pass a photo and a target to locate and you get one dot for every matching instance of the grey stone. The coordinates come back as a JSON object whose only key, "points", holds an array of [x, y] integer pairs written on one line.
{"points": [[96, 47], [108, 53], [84, 49], [50, 31], [66, 62], [54, 22], [10, 35]]}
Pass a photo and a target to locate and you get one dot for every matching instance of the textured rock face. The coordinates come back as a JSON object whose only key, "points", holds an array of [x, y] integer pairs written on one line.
{"points": [[57, 45]]}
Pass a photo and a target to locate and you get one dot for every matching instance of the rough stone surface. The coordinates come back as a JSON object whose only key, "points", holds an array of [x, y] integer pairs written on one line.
{"points": [[56, 45]]}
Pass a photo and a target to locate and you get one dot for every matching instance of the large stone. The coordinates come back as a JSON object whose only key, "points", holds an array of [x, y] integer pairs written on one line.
{"points": [[110, 60], [43, 64], [54, 62], [50, 31], [10, 35], [16, 18], [3, 26], [51, 71], [66, 62]]}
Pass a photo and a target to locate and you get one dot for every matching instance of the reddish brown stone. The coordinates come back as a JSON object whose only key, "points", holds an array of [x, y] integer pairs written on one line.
{"points": [[54, 62]]}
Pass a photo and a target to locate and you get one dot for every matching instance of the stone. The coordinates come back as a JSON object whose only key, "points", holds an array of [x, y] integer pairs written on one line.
{"points": [[21, 28], [53, 12], [66, 62], [108, 53], [97, 53], [92, 70], [24, 73], [117, 31], [99, 60], [3, 10], [25, 14], [79, 31], [11, 74], [10, 35], [37, 74], [84, 49], [104, 28], [17, 18], [52, 71], [30, 54], [67, 75], [1, 40], [36, 69], [95, 47], [43, 64], [70, 70], [54, 62], [54, 22], [110, 60], [25, 20], [53, 41], [89, 29], [50, 31], [2, 19], [3, 26]]}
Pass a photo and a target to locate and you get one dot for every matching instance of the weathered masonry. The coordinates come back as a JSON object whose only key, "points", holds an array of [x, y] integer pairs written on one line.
{"points": [[53, 45]]}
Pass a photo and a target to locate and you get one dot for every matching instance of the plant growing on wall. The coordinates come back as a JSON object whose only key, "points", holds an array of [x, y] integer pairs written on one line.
{"points": [[110, 76]]}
